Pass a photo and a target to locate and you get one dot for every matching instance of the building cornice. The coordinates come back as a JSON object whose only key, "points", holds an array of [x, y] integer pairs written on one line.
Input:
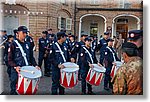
{"points": [[110, 9]]}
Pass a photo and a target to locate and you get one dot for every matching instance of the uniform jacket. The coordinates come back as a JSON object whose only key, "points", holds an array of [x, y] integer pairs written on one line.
{"points": [[15, 57], [55, 54], [85, 58], [108, 57], [129, 78]]}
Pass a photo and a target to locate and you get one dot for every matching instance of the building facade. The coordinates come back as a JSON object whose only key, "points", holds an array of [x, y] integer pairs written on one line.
{"points": [[93, 17]]}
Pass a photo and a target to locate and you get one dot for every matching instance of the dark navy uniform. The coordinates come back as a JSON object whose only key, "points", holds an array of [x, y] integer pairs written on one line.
{"points": [[30, 40], [85, 61], [49, 46], [77, 50], [43, 54], [15, 58], [7, 45], [102, 44], [56, 59], [94, 47], [72, 46], [108, 57], [2, 46]]}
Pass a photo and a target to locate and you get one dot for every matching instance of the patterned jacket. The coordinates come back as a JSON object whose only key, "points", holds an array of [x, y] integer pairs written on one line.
{"points": [[129, 78]]}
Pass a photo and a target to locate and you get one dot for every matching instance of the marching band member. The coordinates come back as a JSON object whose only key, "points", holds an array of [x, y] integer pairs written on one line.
{"points": [[3, 39], [108, 57], [30, 40], [20, 54], [59, 54], [77, 49], [7, 45], [43, 53], [87, 59], [72, 45]]}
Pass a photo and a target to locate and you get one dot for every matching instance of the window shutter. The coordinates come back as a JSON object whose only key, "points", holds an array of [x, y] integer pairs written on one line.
{"points": [[68, 23], [121, 4], [59, 22]]}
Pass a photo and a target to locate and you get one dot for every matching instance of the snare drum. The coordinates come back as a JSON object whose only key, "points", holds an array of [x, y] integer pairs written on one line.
{"points": [[95, 75], [115, 68], [69, 75], [28, 80]]}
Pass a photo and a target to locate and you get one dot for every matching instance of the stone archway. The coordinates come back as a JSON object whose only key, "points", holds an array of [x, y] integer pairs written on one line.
{"points": [[96, 19], [123, 23]]}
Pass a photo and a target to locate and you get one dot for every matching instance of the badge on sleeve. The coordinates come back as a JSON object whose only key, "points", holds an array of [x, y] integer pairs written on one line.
{"points": [[31, 40], [47, 41], [27, 46], [77, 45], [8, 49], [65, 48], [50, 51]]}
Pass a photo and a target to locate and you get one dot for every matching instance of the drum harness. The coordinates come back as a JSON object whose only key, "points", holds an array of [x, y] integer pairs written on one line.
{"points": [[61, 52], [22, 52], [112, 53], [88, 54]]}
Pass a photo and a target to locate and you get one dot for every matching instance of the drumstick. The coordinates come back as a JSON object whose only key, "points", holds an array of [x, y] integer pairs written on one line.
{"points": [[32, 72]]}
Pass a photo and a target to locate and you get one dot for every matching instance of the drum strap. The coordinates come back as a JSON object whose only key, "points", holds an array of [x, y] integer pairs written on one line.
{"points": [[112, 53], [61, 52], [22, 52], [88, 54]]}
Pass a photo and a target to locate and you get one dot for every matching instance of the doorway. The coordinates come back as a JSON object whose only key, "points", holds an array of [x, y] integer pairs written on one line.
{"points": [[122, 29], [94, 29]]}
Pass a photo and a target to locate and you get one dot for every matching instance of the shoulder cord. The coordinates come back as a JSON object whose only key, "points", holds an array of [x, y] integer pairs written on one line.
{"points": [[112, 53], [88, 54], [23, 53], [60, 51]]}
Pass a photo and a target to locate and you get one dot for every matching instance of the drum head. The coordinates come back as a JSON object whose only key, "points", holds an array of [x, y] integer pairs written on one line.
{"points": [[118, 63], [30, 72], [98, 68], [70, 69], [70, 65]]}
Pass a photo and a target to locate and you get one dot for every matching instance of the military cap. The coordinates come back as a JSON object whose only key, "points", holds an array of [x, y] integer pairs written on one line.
{"points": [[106, 33], [24, 29], [87, 39], [110, 40], [45, 32], [84, 34], [135, 34], [61, 34], [129, 46]]}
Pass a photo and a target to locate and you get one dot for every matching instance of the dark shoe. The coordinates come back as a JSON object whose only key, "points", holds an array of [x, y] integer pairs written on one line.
{"points": [[47, 75], [13, 93], [91, 93], [83, 93], [79, 78], [106, 88], [111, 87]]}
